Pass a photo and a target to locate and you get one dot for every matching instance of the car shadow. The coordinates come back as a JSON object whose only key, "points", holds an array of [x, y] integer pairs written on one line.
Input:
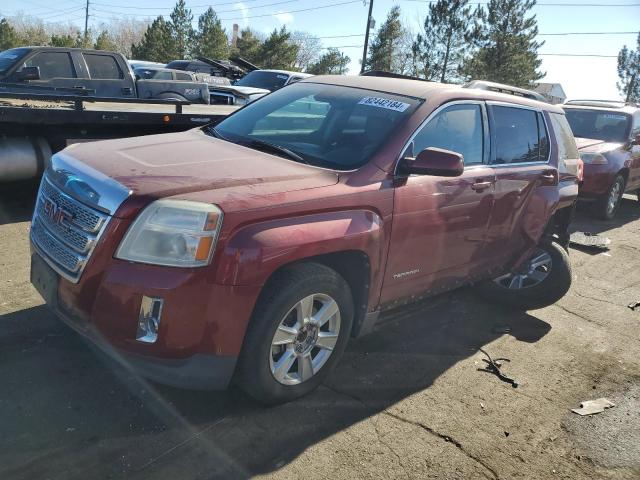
{"points": [[69, 410], [17, 200]]}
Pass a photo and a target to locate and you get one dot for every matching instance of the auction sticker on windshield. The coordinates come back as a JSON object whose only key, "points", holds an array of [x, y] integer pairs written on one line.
{"points": [[384, 103]]}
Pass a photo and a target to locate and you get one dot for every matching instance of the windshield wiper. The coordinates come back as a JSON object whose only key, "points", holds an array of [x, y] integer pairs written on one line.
{"points": [[266, 146]]}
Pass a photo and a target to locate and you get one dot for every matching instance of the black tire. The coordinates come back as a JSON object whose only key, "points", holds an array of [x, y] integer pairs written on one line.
{"points": [[602, 209], [171, 97], [547, 292], [281, 294]]}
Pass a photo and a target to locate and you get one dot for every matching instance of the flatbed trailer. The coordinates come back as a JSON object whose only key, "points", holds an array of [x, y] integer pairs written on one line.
{"points": [[34, 126]]}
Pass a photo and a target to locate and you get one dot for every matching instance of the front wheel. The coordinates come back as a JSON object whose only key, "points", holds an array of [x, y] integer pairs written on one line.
{"points": [[298, 332], [607, 205], [543, 280]]}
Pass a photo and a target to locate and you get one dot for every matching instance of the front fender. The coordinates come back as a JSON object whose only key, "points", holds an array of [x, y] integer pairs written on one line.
{"points": [[254, 252]]}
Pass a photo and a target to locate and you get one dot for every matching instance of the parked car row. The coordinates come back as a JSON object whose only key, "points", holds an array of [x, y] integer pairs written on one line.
{"points": [[608, 136], [250, 250]]}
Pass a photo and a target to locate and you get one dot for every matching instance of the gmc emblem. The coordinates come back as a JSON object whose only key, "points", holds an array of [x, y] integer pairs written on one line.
{"points": [[56, 214]]}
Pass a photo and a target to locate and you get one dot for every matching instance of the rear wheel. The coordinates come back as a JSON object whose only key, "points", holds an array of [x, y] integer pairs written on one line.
{"points": [[607, 205], [544, 279], [298, 332]]}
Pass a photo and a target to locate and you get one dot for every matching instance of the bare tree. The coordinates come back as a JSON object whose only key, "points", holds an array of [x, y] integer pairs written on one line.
{"points": [[309, 48], [124, 32]]}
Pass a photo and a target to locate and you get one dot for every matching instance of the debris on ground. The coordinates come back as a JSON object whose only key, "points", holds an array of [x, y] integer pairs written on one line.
{"points": [[633, 306], [589, 240], [590, 407], [494, 366]]}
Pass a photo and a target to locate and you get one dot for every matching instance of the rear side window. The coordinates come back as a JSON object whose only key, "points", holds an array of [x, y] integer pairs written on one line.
{"points": [[457, 128], [183, 76], [103, 67], [52, 65], [567, 148], [519, 135]]}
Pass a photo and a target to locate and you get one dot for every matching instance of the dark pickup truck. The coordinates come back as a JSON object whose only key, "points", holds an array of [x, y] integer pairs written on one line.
{"points": [[75, 71]]}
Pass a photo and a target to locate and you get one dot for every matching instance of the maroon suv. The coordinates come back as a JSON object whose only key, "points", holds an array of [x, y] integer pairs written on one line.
{"points": [[254, 249], [608, 136]]}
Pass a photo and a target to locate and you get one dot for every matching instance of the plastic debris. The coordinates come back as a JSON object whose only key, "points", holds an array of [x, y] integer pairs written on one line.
{"points": [[494, 365], [591, 407], [589, 240], [633, 306]]}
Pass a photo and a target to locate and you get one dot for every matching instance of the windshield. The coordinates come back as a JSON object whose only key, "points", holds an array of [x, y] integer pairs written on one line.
{"points": [[8, 58], [261, 79], [324, 125], [605, 125]]}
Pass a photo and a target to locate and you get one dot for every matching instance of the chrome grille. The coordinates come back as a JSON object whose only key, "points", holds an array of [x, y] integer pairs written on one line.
{"points": [[67, 236]]}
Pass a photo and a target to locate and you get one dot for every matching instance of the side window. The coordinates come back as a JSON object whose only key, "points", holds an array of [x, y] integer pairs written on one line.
{"points": [[457, 128], [52, 65], [294, 79], [103, 67], [567, 148], [543, 139], [183, 76], [163, 76], [635, 129], [516, 135]]}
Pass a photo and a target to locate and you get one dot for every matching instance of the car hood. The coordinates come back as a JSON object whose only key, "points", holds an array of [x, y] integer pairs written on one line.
{"points": [[244, 91], [593, 145], [158, 166]]}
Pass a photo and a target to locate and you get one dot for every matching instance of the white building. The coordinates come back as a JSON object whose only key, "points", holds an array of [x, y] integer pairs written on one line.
{"points": [[552, 92]]}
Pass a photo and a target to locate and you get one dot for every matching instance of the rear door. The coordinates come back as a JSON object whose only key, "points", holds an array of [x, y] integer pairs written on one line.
{"points": [[526, 179], [634, 170], [440, 223], [106, 76]]}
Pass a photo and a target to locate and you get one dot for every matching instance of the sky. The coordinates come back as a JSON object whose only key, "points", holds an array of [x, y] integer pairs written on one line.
{"points": [[345, 21]]}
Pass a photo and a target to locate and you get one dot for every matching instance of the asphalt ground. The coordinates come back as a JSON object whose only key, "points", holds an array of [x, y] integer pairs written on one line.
{"points": [[406, 401]]}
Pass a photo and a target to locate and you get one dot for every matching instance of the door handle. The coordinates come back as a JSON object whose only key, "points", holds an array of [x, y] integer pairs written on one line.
{"points": [[480, 186], [549, 177]]}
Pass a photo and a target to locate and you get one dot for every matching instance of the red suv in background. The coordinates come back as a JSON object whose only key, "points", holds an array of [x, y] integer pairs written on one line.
{"points": [[253, 249], [608, 136]]}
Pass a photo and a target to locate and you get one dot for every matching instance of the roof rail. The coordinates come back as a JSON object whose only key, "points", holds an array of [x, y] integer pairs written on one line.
{"points": [[601, 103], [508, 89], [382, 73]]}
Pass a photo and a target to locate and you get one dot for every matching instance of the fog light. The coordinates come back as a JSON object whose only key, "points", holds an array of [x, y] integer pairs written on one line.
{"points": [[149, 319]]}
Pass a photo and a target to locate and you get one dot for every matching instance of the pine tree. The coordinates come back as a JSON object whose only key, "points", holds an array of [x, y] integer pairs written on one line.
{"points": [[181, 29], [278, 51], [629, 73], [8, 36], [385, 45], [447, 39], [508, 51], [157, 44], [247, 46], [64, 40], [333, 62], [211, 39], [105, 42]]}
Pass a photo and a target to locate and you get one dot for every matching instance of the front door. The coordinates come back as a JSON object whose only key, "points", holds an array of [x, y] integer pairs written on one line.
{"points": [[440, 223]]}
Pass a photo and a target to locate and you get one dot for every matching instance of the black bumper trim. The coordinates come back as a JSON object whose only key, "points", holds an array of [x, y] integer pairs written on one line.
{"points": [[198, 372]]}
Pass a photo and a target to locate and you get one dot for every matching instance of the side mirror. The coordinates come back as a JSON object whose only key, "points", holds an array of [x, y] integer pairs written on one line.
{"points": [[636, 140], [29, 73], [435, 161]]}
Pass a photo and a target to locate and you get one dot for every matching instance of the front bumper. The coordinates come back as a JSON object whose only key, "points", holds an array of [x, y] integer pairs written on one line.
{"points": [[202, 327], [198, 372]]}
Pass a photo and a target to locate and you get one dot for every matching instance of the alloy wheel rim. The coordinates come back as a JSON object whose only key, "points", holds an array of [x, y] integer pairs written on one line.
{"points": [[305, 339], [614, 197], [534, 273]]}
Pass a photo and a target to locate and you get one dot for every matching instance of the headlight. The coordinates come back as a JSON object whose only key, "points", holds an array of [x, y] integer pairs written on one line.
{"points": [[176, 233], [593, 159]]}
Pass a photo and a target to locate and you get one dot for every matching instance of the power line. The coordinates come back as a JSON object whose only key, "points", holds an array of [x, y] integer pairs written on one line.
{"points": [[171, 8], [200, 6], [551, 4], [576, 55]]}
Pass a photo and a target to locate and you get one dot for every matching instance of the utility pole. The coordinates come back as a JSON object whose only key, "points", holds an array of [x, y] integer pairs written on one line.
{"points": [[86, 23], [366, 37]]}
